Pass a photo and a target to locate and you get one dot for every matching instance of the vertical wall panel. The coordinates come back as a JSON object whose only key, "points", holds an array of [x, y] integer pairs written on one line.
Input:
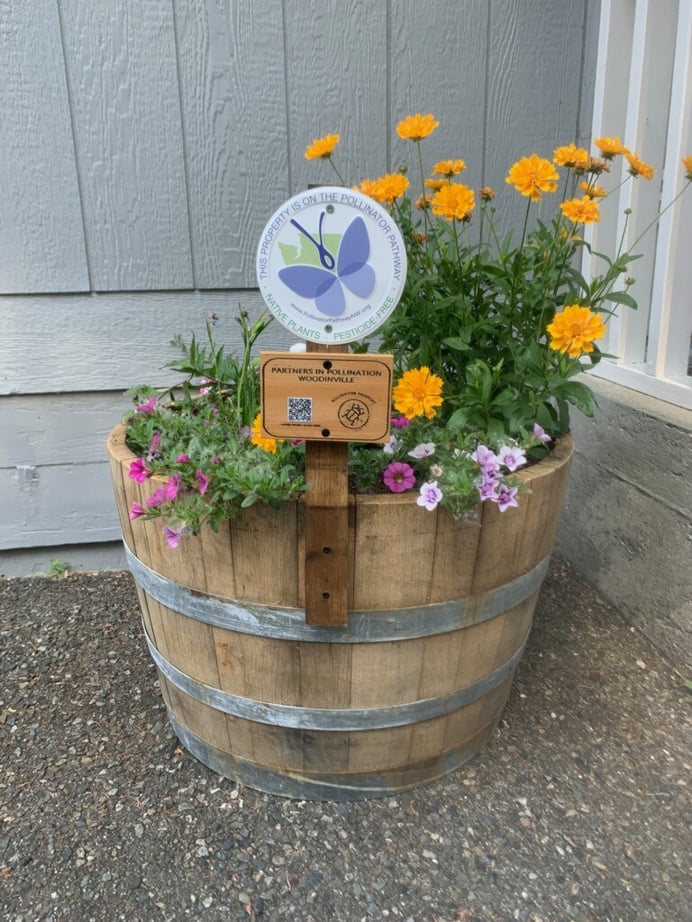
{"points": [[336, 83], [438, 65], [234, 117], [121, 63], [41, 236]]}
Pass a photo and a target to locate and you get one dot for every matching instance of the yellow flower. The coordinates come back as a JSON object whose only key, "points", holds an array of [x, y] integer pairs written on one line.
{"points": [[322, 147], [388, 187], [415, 127], [638, 167], [581, 211], [687, 163], [418, 392], [261, 441], [367, 187], [610, 147], [574, 330], [449, 167], [591, 190], [435, 184], [571, 156], [453, 200], [533, 175]]}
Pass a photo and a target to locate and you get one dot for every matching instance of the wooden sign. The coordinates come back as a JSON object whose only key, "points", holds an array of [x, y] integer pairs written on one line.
{"points": [[326, 396]]}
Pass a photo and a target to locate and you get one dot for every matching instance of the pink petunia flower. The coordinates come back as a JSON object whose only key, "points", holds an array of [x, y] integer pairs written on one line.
{"points": [[485, 459], [203, 481], [139, 470], [511, 456], [136, 511], [149, 406], [172, 536], [430, 495], [166, 494], [538, 432], [424, 450], [399, 477], [506, 497], [399, 422], [182, 459]]}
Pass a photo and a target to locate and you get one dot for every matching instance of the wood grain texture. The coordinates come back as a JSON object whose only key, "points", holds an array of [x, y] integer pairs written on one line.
{"points": [[112, 342], [41, 236], [231, 60], [121, 64]]}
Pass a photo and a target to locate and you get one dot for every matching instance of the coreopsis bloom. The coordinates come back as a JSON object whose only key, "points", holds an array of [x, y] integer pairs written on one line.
{"points": [[322, 147], [581, 211], [399, 477], [687, 163], [638, 167], [532, 175], [367, 187], [449, 167], [569, 155], [592, 191], [453, 201], [430, 495], [261, 441], [610, 147], [486, 193], [389, 187], [418, 393], [435, 184], [415, 127], [574, 330], [422, 203]]}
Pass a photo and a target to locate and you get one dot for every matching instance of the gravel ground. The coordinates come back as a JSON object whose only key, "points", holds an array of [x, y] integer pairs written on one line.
{"points": [[578, 809]]}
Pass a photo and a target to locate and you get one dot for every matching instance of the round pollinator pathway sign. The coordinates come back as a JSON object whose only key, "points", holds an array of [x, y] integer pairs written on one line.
{"points": [[331, 265]]}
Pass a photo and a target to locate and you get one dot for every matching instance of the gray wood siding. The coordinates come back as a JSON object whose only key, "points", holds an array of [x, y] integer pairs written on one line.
{"points": [[145, 144]]}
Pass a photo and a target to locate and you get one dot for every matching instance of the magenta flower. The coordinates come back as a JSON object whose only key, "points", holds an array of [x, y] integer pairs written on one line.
{"points": [[172, 536], [155, 446], [216, 460], [149, 406], [538, 432], [399, 477], [166, 494], [512, 457], [182, 459], [400, 422], [430, 495], [203, 481], [136, 511], [506, 497], [139, 470]]}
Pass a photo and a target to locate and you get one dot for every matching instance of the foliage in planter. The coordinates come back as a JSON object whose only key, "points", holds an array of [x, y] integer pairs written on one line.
{"points": [[488, 339]]}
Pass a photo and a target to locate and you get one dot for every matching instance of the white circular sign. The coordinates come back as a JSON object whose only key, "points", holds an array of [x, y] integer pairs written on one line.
{"points": [[331, 265]]}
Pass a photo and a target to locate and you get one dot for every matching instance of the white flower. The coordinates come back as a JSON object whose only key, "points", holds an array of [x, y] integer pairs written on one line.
{"points": [[424, 450], [430, 495]]}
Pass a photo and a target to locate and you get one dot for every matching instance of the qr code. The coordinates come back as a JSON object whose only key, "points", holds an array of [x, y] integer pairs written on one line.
{"points": [[300, 409]]}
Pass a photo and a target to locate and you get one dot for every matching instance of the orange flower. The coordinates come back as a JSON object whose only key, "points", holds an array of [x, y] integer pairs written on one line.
{"points": [[417, 393], [638, 167], [435, 184], [533, 175], [322, 147], [388, 187], [687, 163], [368, 187], [571, 156], [591, 190], [574, 330], [581, 211], [261, 441], [487, 194], [449, 167], [415, 127], [610, 147], [453, 200]]}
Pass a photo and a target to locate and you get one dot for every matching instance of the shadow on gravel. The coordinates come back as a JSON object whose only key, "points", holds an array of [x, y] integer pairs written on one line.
{"points": [[578, 809]]}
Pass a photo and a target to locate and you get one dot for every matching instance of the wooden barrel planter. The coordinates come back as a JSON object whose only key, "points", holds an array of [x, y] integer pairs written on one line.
{"points": [[439, 614]]}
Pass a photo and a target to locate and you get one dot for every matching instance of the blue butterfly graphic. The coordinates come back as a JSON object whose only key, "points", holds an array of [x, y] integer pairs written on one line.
{"points": [[324, 284]]}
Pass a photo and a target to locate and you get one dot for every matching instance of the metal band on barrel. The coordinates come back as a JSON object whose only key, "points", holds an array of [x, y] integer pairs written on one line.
{"points": [[363, 626], [303, 718]]}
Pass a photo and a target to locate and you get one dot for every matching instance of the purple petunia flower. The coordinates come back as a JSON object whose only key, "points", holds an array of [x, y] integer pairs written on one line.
{"points": [[203, 481], [538, 432], [136, 511], [172, 536], [149, 406], [512, 457], [485, 459], [506, 497], [399, 477], [139, 470], [430, 495]]}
